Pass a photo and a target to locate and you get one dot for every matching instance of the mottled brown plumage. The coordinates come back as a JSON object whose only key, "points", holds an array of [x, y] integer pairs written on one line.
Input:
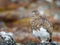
{"points": [[38, 21]]}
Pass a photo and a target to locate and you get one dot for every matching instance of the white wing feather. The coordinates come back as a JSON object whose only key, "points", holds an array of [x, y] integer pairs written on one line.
{"points": [[43, 34]]}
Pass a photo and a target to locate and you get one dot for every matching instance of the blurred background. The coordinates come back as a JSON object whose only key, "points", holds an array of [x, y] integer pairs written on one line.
{"points": [[15, 17]]}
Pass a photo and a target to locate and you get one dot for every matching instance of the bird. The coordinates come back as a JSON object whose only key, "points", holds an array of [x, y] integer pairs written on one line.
{"points": [[41, 27]]}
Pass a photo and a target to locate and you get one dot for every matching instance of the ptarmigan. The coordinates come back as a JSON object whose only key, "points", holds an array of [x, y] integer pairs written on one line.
{"points": [[42, 28]]}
